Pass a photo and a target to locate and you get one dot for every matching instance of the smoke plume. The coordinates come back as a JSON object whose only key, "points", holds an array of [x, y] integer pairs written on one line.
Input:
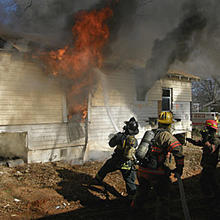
{"points": [[181, 35], [161, 35], [47, 23]]}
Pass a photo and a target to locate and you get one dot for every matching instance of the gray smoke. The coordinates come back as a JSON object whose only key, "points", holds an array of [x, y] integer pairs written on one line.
{"points": [[203, 56], [161, 35], [45, 22], [183, 35]]}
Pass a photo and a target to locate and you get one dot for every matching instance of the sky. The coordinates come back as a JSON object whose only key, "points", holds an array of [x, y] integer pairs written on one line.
{"points": [[8, 7]]}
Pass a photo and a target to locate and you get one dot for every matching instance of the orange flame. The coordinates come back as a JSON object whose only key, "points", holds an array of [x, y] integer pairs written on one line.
{"points": [[90, 35]]}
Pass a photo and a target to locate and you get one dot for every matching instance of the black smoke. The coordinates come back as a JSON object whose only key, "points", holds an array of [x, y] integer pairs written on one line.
{"points": [[159, 34], [47, 23]]}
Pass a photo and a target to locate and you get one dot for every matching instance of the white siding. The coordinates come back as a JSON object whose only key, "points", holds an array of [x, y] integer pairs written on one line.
{"points": [[116, 93], [182, 91], [30, 102], [52, 137], [182, 110], [155, 92], [27, 95], [72, 155]]}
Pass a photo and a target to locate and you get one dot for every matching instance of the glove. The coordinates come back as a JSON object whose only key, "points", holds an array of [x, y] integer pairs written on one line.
{"points": [[189, 140], [178, 170], [135, 162]]}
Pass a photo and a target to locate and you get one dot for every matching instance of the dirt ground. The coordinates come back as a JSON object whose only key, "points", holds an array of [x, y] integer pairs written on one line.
{"points": [[61, 191]]}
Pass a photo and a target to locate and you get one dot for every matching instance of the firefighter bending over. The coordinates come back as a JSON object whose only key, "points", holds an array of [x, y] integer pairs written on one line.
{"points": [[210, 157], [153, 173], [123, 158]]}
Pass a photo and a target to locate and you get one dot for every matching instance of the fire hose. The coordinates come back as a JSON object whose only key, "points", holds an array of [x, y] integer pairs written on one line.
{"points": [[182, 197]]}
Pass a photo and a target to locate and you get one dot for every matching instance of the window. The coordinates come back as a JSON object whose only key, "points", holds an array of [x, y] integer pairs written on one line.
{"points": [[166, 99]]}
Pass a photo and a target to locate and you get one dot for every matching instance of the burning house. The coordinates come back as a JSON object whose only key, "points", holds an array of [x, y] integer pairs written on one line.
{"points": [[111, 104], [63, 96], [35, 121], [33, 113]]}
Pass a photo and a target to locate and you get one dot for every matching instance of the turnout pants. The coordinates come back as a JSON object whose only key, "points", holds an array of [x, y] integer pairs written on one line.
{"points": [[157, 180], [128, 173], [208, 182]]}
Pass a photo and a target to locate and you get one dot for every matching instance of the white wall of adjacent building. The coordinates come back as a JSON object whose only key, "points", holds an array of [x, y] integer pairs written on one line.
{"points": [[118, 97]]}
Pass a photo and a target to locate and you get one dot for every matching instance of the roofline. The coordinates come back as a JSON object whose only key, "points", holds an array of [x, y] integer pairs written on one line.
{"points": [[182, 74]]}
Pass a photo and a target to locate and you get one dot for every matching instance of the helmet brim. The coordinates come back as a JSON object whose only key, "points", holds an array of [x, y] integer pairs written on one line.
{"points": [[162, 122]]}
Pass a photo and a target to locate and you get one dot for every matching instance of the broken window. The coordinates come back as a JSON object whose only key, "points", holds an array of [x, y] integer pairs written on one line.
{"points": [[166, 99]]}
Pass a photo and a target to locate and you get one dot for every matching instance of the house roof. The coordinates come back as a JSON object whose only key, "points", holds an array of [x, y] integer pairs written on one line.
{"points": [[181, 74]]}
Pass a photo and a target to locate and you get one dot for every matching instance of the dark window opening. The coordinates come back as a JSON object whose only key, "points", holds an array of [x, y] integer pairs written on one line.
{"points": [[166, 99]]}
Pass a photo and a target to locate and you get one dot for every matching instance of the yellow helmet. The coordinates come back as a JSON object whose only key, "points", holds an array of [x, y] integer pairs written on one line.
{"points": [[165, 118]]}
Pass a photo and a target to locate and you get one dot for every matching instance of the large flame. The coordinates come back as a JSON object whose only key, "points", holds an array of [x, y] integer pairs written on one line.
{"points": [[75, 62]]}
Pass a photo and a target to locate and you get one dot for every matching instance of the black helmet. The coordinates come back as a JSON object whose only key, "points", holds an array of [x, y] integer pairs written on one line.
{"points": [[131, 126]]}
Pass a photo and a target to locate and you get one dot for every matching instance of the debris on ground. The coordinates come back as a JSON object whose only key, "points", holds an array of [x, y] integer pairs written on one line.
{"points": [[59, 190]]}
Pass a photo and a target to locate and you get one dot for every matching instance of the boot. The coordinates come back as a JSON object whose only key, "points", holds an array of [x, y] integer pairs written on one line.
{"points": [[96, 181]]}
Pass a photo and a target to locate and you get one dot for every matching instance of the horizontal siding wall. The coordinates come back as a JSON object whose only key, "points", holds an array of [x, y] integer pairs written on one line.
{"points": [[182, 91], [27, 95], [117, 89], [73, 155], [155, 92], [182, 110], [113, 102], [47, 135], [30, 102], [144, 111], [44, 137], [101, 128]]}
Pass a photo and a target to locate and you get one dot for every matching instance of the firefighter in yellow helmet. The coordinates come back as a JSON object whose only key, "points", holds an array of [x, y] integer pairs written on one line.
{"points": [[153, 173]]}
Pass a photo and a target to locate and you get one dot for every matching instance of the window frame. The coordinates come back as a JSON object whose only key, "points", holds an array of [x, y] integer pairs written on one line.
{"points": [[170, 98]]}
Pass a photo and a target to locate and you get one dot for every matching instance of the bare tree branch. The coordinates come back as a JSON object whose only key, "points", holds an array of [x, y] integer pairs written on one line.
{"points": [[206, 90], [29, 4]]}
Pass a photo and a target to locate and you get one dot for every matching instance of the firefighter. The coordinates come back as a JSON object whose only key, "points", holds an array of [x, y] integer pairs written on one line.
{"points": [[153, 172], [123, 158], [210, 144]]}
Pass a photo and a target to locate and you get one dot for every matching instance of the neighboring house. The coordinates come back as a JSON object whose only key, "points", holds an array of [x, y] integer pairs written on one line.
{"points": [[33, 111], [114, 102]]}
